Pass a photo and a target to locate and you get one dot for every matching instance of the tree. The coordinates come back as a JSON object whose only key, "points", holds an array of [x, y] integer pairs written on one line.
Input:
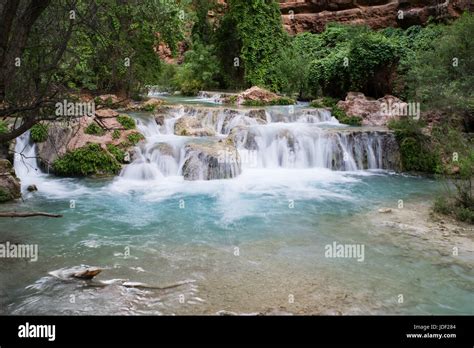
{"points": [[256, 37]]}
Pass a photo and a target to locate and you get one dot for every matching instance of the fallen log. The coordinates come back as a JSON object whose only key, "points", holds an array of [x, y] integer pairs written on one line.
{"points": [[28, 214]]}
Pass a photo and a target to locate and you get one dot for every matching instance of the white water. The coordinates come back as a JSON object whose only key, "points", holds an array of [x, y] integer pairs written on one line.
{"points": [[288, 137]]}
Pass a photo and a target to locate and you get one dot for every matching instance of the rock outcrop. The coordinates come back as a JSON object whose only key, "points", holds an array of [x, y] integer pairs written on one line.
{"points": [[10, 187], [376, 112], [191, 126], [257, 94], [211, 161], [64, 137], [313, 15]]}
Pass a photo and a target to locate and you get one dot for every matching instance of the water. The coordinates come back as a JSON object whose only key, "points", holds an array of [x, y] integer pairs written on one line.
{"points": [[244, 244]]}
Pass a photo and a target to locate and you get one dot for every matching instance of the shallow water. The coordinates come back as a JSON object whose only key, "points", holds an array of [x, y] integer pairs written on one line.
{"points": [[280, 249], [252, 244]]}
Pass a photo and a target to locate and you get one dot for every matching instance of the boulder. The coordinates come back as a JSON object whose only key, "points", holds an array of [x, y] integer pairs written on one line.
{"points": [[212, 161], [108, 98], [257, 94], [106, 113], [191, 126], [32, 188], [10, 187], [64, 137], [154, 102], [373, 112]]}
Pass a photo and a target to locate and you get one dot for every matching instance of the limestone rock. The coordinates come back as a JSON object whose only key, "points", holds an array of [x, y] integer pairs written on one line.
{"points": [[10, 187], [373, 112], [191, 126], [106, 113], [211, 162], [257, 94]]}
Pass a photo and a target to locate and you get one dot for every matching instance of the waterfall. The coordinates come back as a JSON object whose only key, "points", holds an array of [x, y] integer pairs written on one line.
{"points": [[25, 161], [274, 137]]}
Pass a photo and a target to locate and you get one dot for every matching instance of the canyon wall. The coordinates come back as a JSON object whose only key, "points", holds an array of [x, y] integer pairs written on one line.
{"points": [[313, 15]]}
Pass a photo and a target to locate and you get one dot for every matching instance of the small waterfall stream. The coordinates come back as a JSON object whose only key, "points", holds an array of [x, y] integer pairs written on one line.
{"points": [[277, 137]]}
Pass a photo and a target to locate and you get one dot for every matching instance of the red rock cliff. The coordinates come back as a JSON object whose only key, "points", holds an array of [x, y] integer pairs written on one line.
{"points": [[313, 15]]}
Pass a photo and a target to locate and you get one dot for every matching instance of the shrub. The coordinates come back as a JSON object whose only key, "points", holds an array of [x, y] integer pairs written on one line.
{"points": [[3, 127], [254, 103], [85, 161], [344, 118], [416, 150], [148, 107], [126, 121], [116, 134], [283, 101], [135, 138], [118, 153], [39, 133], [94, 129]]}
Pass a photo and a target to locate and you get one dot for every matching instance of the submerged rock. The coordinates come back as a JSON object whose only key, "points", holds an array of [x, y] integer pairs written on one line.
{"points": [[10, 187], [32, 188], [211, 162]]}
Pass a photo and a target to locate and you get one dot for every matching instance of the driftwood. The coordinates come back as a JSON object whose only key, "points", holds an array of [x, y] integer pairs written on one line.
{"points": [[28, 214]]}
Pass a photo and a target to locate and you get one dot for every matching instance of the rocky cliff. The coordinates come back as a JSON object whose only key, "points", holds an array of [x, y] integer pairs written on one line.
{"points": [[313, 15]]}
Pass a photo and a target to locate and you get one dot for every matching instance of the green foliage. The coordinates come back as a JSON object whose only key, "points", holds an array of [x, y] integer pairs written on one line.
{"points": [[278, 101], [283, 101], [116, 134], [325, 102], [126, 121], [39, 133], [97, 59], [4, 196], [3, 127], [441, 75], [252, 31], [148, 107], [85, 161], [352, 58], [94, 129], [344, 118], [118, 153], [416, 149], [199, 71], [135, 138]]}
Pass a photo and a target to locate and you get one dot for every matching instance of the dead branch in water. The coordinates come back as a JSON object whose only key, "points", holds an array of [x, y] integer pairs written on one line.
{"points": [[28, 214]]}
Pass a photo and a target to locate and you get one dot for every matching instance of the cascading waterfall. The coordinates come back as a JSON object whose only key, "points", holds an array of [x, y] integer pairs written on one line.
{"points": [[277, 137], [25, 160]]}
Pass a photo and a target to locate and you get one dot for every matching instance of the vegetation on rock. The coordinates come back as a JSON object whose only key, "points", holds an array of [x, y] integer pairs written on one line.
{"points": [[86, 161]]}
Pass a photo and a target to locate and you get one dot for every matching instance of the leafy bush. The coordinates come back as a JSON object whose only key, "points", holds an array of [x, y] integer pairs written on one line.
{"points": [[126, 121], [94, 129], [3, 127], [344, 118], [283, 101], [440, 74], [199, 71], [135, 138], [148, 107], [417, 153], [118, 153], [254, 103], [116, 134], [85, 161], [39, 133]]}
